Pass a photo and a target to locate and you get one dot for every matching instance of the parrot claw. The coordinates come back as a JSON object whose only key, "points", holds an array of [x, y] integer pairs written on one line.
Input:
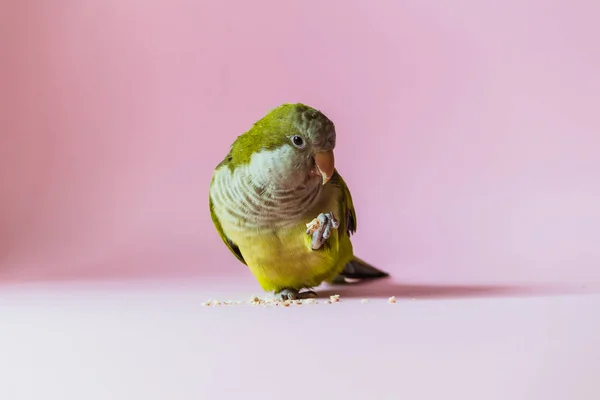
{"points": [[293, 294], [320, 229]]}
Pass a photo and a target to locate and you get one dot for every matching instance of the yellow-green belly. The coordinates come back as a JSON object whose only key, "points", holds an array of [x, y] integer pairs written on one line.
{"points": [[284, 258]]}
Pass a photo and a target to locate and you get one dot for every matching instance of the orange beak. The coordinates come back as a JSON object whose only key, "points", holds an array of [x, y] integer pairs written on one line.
{"points": [[325, 164]]}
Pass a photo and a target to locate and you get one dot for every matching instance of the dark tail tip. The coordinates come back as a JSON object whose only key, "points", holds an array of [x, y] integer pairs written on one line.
{"points": [[357, 271]]}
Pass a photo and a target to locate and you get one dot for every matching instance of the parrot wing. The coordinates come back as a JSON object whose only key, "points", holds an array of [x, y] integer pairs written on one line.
{"points": [[348, 220], [356, 270], [230, 244]]}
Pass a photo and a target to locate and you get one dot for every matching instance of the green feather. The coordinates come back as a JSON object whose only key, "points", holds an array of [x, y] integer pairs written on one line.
{"points": [[268, 133], [347, 224]]}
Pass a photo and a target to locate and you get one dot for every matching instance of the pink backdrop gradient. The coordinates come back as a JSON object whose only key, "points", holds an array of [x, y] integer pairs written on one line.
{"points": [[468, 132]]}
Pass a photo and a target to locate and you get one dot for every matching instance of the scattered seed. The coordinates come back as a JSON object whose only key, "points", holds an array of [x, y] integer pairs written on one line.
{"points": [[272, 301]]}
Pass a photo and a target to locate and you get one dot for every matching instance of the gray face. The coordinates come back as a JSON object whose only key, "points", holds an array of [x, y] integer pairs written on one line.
{"points": [[315, 128], [315, 133], [292, 165]]}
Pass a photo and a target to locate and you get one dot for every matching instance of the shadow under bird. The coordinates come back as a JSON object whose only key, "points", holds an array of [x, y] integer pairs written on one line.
{"points": [[282, 208]]}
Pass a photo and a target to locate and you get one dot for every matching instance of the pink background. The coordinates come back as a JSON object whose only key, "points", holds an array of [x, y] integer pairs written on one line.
{"points": [[468, 131]]}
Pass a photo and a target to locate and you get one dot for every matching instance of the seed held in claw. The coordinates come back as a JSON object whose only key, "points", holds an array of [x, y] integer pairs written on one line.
{"points": [[312, 226]]}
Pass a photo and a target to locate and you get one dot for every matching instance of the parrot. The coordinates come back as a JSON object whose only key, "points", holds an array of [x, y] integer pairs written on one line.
{"points": [[281, 207]]}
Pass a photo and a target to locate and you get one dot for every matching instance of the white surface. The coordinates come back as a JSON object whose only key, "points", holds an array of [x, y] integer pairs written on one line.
{"points": [[120, 342]]}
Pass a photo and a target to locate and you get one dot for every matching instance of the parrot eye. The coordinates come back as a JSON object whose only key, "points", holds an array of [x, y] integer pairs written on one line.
{"points": [[298, 141]]}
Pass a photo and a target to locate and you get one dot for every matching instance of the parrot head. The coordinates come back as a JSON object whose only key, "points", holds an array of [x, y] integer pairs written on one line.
{"points": [[290, 146]]}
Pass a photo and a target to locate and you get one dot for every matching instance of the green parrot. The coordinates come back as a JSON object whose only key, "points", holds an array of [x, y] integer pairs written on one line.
{"points": [[282, 208]]}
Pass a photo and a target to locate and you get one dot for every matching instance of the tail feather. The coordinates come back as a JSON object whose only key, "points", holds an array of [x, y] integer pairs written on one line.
{"points": [[357, 271]]}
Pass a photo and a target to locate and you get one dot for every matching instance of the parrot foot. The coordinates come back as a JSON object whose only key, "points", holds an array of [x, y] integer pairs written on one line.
{"points": [[293, 294], [320, 229]]}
